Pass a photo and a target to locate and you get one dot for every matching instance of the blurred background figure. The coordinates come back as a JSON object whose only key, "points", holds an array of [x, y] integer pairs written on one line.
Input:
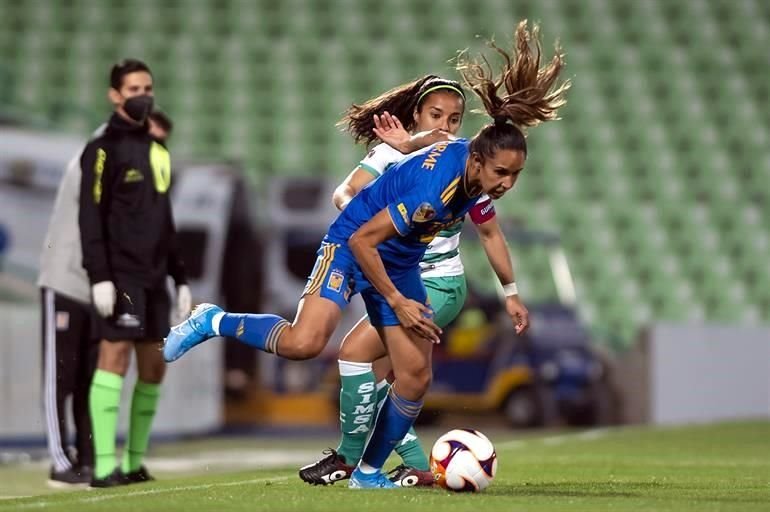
{"points": [[69, 348], [640, 229], [129, 248]]}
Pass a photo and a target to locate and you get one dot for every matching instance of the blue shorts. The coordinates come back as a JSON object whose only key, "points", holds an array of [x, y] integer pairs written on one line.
{"points": [[337, 277]]}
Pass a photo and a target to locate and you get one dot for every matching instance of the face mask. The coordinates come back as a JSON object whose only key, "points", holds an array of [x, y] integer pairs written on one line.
{"points": [[138, 107]]}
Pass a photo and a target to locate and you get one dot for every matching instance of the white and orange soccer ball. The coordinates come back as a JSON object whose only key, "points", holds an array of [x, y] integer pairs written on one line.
{"points": [[463, 460]]}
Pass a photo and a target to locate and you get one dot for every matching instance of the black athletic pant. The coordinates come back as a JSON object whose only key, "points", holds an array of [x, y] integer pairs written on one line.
{"points": [[69, 361]]}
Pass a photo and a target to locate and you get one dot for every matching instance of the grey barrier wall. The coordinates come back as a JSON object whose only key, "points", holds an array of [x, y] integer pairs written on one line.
{"points": [[191, 397], [679, 374]]}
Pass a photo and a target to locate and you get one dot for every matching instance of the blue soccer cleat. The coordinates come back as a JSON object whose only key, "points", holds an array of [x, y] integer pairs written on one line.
{"points": [[361, 480], [193, 331]]}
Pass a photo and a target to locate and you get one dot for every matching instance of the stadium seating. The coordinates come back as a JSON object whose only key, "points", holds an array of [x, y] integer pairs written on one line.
{"points": [[656, 178]]}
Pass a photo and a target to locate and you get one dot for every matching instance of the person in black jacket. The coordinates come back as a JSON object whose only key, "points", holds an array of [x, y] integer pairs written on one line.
{"points": [[69, 350], [129, 247]]}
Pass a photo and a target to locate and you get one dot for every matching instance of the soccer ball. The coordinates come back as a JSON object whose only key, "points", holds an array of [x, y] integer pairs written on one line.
{"points": [[463, 460]]}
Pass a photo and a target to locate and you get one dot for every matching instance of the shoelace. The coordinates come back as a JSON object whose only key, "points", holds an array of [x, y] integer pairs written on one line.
{"points": [[398, 469], [330, 453], [317, 469]]}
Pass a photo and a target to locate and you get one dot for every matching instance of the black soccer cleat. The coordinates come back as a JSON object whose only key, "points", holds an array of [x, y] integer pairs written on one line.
{"points": [[139, 476], [70, 478], [405, 476], [328, 470], [114, 479]]}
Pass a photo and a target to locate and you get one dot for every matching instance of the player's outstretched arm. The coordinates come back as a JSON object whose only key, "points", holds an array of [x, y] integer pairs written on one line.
{"points": [[390, 131], [351, 186], [499, 256]]}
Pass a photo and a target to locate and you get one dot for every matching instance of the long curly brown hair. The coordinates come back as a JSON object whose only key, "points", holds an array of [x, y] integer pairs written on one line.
{"points": [[401, 101], [531, 92], [524, 95]]}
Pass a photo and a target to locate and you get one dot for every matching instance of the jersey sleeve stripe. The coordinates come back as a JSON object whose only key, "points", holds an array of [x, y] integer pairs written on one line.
{"points": [[395, 225], [448, 192], [448, 198], [482, 212], [101, 158], [371, 170]]}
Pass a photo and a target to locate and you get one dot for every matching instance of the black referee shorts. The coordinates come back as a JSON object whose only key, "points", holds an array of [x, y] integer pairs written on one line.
{"points": [[140, 314]]}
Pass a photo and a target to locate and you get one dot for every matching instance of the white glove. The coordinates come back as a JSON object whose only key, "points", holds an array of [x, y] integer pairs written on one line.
{"points": [[103, 296], [183, 300]]}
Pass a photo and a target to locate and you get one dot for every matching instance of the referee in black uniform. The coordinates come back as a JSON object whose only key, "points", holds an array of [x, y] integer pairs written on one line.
{"points": [[129, 247], [69, 348]]}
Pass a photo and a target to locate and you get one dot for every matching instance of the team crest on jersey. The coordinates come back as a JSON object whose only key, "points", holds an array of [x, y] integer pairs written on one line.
{"points": [[133, 176], [335, 281], [424, 213]]}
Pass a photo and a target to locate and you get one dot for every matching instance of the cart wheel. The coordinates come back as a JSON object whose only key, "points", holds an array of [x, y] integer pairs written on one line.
{"points": [[528, 407]]}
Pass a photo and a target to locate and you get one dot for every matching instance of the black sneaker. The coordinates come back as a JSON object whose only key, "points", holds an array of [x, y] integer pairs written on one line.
{"points": [[405, 476], [139, 476], [114, 479], [326, 471], [73, 477]]}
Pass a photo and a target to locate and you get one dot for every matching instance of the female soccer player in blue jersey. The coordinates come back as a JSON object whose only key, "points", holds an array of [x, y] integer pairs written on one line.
{"points": [[434, 107], [375, 245]]}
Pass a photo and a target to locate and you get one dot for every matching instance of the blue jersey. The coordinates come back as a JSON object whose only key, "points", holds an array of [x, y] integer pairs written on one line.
{"points": [[424, 194]]}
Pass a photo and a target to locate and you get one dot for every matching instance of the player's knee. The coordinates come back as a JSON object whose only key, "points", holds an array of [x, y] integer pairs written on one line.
{"points": [[414, 384], [423, 379], [153, 374], [155, 378], [115, 357], [302, 345], [348, 352], [383, 369], [311, 347]]}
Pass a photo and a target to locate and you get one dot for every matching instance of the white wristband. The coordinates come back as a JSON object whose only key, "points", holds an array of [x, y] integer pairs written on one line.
{"points": [[510, 289]]}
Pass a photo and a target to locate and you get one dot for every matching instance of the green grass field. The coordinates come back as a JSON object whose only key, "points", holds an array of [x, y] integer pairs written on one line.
{"points": [[717, 467]]}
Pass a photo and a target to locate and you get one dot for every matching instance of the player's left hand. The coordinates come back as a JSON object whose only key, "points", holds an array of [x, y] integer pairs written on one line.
{"points": [[183, 300], [417, 318], [518, 313]]}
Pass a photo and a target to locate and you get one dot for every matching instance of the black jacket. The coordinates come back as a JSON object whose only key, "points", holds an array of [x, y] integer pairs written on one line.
{"points": [[126, 226]]}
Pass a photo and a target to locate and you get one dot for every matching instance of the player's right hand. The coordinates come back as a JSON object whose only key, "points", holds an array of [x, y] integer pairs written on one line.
{"points": [[418, 318], [424, 139], [103, 296]]}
